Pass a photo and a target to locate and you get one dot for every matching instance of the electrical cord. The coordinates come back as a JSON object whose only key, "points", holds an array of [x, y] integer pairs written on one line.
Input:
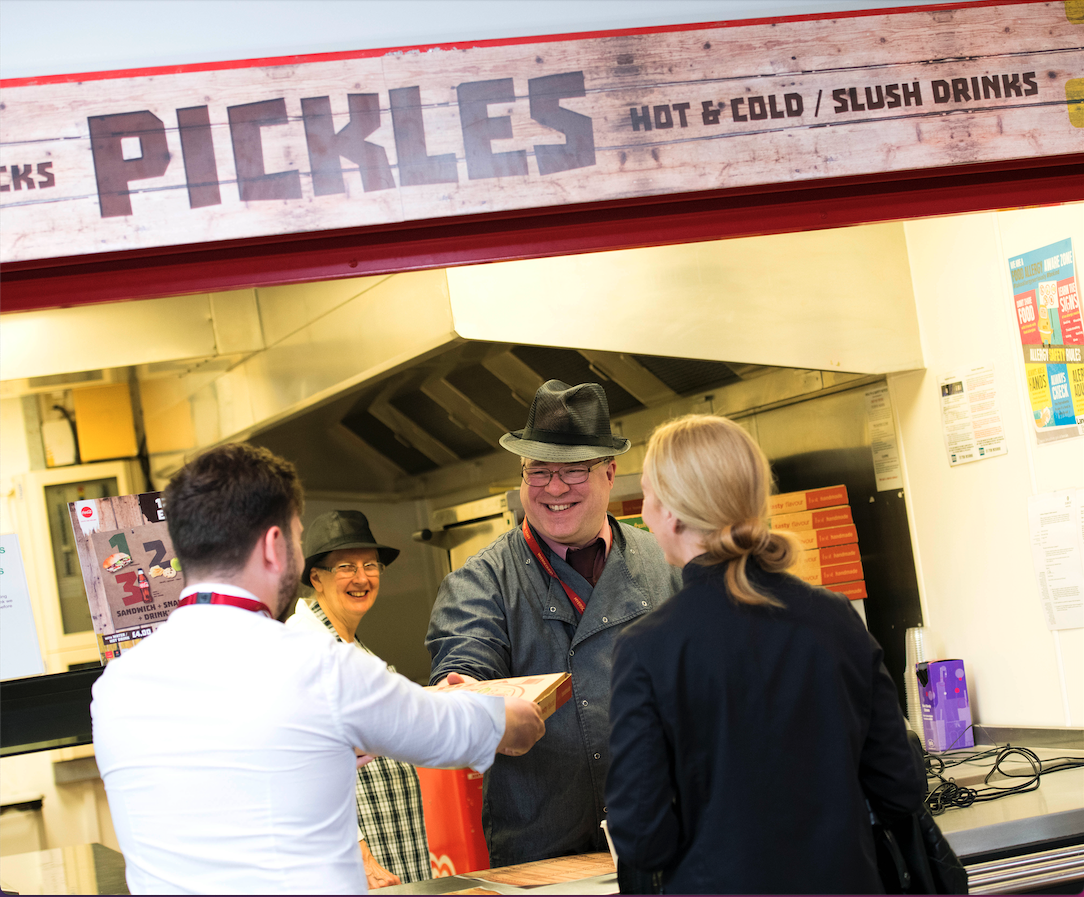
{"points": [[947, 793], [71, 426]]}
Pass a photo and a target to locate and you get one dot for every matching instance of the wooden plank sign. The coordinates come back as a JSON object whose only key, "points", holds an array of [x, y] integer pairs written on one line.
{"points": [[204, 153], [131, 572]]}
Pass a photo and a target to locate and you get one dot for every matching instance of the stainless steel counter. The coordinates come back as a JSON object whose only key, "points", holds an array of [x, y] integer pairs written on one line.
{"points": [[1036, 839], [1020, 841]]}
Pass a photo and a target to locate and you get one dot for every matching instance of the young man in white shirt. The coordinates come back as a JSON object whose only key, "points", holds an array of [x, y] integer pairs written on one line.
{"points": [[226, 742]]}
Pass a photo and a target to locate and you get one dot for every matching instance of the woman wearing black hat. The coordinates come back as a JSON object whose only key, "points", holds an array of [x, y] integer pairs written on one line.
{"points": [[343, 564]]}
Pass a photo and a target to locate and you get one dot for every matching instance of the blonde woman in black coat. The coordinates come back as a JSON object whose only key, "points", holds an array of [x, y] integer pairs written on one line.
{"points": [[752, 716]]}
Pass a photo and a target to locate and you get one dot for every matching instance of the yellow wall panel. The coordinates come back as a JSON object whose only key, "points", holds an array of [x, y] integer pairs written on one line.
{"points": [[103, 419]]}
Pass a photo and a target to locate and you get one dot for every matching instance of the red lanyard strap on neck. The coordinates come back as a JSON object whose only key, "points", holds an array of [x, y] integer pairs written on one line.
{"points": [[232, 600], [536, 550]]}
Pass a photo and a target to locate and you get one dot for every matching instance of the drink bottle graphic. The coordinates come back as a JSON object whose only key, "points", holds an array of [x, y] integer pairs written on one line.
{"points": [[1047, 297], [1046, 330], [144, 585]]}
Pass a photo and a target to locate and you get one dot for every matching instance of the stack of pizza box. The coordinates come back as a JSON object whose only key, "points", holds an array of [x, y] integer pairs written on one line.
{"points": [[821, 521]]}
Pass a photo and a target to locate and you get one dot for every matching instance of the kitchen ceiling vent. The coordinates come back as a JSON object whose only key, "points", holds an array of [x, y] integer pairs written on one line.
{"points": [[571, 367], [688, 375], [454, 406], [373, 431], [485, 390], [438, 423]]}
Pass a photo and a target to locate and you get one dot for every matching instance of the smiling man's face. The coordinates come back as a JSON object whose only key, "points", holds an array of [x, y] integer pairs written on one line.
{"points": [[569, 515]]}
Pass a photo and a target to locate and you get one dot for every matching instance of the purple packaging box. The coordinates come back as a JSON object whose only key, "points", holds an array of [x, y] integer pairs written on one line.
{"points": [[946, 708]]}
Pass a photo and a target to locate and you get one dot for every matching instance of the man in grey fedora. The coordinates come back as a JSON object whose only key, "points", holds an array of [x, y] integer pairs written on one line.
{"points": [[551, 596]]}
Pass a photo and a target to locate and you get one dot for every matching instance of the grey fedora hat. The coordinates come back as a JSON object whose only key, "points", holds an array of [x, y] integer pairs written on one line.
{"points": [[566, 423], [336, 530]]}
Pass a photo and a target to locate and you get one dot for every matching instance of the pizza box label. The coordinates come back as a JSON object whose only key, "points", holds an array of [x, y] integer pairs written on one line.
{"points": [[810, 500]]}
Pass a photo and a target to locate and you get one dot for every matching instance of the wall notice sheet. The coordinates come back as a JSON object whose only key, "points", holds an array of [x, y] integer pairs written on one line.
{"points": [[882, 437], [1046, 302], [20, 653], [970, 416], [1056, 520]]}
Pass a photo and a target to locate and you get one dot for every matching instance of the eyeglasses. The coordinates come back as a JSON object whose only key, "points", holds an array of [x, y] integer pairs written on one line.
{"points": [[371, 568], [570, 476]]}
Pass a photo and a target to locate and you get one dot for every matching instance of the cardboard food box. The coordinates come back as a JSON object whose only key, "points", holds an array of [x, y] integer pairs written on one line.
{"points": [[809, 500], [807, 520], [826, 576], [946, 707], [852, 590], [809, 539], [548, 691]]}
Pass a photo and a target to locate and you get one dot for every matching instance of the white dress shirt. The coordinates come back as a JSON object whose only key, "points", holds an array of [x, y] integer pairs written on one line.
{"points": [[225, 741]]}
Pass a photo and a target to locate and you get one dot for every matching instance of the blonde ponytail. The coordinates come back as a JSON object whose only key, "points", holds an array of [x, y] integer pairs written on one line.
{"points": [[711, 474]]}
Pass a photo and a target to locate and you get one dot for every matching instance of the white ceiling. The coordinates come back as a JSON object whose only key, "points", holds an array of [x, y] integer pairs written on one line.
{"points": [[52, 37]]}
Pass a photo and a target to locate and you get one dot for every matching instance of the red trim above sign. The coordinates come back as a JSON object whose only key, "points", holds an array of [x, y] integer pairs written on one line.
{"points": [[55, 283]]}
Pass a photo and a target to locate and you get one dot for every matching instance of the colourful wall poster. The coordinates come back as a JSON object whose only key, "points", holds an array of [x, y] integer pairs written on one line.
{"points": [[130, 570], [1046, 302]]}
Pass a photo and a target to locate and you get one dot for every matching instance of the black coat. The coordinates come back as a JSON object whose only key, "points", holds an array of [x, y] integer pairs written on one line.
{"points": [[745, 741]]}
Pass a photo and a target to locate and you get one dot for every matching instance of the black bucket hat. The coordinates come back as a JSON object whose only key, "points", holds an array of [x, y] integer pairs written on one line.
{"points": [[566, 423], [336, 530]]}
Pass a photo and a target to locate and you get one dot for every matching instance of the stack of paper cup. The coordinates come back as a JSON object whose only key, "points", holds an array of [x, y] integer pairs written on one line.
{"points": [[915, 648]]}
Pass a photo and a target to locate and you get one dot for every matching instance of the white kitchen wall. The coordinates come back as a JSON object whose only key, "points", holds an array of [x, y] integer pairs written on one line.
{"points": [[969, 524], [14, 458]]}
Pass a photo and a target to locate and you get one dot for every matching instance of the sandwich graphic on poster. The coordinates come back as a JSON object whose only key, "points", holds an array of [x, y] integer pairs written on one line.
{"points": [[131, 572]]}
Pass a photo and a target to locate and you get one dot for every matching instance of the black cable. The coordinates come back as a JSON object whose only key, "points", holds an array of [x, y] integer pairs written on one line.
{"points": [[71, 426], [947, 793]]}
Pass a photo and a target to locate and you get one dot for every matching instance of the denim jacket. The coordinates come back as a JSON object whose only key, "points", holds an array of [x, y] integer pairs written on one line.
{"points": [[501, 615]]}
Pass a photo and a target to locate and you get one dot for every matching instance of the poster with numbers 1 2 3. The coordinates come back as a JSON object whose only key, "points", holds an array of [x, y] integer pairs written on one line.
{"points": [[131, 572]]}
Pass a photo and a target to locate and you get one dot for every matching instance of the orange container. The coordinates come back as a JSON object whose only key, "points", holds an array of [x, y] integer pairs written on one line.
{"points": [[452, 804]]}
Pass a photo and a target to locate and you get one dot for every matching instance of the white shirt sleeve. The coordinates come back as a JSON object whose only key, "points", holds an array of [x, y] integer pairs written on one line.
{"points": [[387, 715]]}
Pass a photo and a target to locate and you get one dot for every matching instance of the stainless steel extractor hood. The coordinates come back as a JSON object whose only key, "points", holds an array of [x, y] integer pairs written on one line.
{"points": [[399, 386]]}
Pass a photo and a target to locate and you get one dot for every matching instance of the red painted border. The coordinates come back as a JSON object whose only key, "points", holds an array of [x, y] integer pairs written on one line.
{"points": [[493, 42], [55, 283]]}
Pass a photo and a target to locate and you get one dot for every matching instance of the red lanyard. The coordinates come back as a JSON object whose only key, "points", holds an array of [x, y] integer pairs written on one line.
{"points": [[532, 543], [233, 600]]}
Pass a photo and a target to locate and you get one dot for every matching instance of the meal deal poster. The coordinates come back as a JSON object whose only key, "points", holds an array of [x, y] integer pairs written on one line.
{"points": [[1046, 300], [132, 575]]}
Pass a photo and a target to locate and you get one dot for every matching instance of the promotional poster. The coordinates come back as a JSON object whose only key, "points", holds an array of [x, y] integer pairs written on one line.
{"points": [[131, 572], [1046, 301]]}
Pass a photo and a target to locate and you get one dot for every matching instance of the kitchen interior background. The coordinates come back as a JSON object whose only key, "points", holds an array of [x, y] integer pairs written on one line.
{"points": [[389, 393]]}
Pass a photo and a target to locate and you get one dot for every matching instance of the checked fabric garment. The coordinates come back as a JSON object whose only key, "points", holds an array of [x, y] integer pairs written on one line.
{"points": [[389, 805]]}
